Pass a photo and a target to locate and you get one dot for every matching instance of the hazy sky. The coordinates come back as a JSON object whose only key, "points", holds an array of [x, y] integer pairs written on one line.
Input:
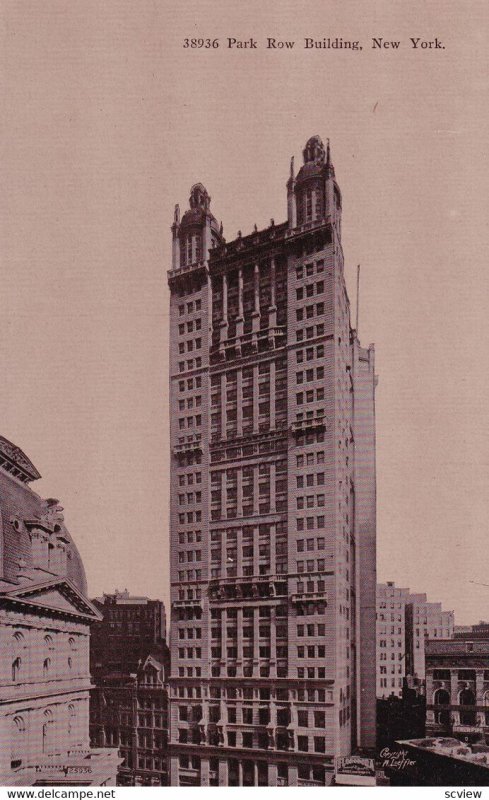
{"points": [[107, 121]]}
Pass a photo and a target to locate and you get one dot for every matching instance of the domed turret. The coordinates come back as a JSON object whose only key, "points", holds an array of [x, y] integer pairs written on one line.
{"points": [[313, 195], [197, 232]]}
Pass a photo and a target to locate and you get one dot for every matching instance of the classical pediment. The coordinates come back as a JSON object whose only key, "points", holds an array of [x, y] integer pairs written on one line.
{"points": [[58, 594]]}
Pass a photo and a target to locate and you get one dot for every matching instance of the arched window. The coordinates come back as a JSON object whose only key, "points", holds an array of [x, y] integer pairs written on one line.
{"points": [[17, 742], [48, 641], [72, 643], [467, 714], [16, 667], [442, 698], [71, 721], [47, 732]]}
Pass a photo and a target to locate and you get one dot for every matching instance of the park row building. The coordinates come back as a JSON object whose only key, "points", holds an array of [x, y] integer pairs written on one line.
{"points": [[272, 496]]}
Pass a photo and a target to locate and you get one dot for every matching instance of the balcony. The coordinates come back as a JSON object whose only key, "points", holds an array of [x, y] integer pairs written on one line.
{"points": [[316, 422], [193, 444]]}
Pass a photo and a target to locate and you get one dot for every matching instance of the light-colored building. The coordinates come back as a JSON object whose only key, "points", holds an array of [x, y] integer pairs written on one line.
{"points": [[272, 512], [45, 620], [404, 621]]}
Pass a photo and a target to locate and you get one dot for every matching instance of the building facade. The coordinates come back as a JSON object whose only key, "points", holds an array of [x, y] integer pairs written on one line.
{"points": [[457, 689], [404, 622], [129, 704], [131, 628], [130, 712], [45, 621], [272, 512]]}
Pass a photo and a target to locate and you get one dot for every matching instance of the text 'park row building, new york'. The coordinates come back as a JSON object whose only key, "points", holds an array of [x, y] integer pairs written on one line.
{"points": [[272, 497]]}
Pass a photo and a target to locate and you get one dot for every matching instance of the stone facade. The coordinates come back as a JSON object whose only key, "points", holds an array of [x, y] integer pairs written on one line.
{"points": [[272, 435], [130, 712], [457, 689], [44, 641]]}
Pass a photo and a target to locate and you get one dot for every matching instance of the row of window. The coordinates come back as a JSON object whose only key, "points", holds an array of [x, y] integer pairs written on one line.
{"points": [[190, 517], [309, 311], [190, 575], [309, 523], [311, 565], [310, 396], [310, 501], [189, 555], [189, 345], [306, 270], [190, 364], [309, 375], [310, 544], [189, 497], [310, 289], [190, 422], [190, 537], [189, 652], [310, 458], [191, 307], [310, 332], [190, 383], [308, 353], [191, 326], [190, 402]]}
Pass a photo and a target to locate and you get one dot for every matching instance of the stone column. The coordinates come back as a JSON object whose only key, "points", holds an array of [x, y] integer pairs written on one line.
{"points": [[256, 505], [256, 624], [272, 774], [273, 639], [224, 321], [272, 503], [239, 508], [272, 395], [240, 638], [239, 396], [224, 415], [454, 696], [240, 320], [223, 772], [293, 776], [204, 772], [240, 773], [256, 309], [272, 317], [255, 399]]}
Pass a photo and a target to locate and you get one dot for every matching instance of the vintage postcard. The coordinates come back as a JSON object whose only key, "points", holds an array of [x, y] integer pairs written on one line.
{"points": [[244, 452]]}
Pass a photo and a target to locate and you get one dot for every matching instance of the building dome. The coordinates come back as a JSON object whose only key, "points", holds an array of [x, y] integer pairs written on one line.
{"points": [[31, 527], [315, 160]]}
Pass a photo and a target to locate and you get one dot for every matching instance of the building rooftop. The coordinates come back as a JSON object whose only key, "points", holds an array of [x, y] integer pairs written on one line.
{"points": [[452, 647], [453, 748]]}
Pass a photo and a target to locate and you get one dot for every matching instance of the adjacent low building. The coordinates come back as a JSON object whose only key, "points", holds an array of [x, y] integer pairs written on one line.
{"points": [[129, 704], [45, 620], [457, 689]]}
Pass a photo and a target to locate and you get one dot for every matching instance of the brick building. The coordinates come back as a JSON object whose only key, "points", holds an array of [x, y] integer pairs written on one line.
{"points": [[129, 704], [272, 496]]}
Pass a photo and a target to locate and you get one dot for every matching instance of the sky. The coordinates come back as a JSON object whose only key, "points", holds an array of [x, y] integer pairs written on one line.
{"points": [[108, 120]]}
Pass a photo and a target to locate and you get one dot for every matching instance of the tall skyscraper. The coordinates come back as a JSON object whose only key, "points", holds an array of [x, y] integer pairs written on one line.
{"points": [[272, 496]]}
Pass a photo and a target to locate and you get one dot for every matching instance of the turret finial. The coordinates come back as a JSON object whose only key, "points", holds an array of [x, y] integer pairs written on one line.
{"points": [[176, 216], [292, 167]]}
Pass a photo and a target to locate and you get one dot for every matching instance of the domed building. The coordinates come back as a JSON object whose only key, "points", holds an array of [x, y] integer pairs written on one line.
{"points": [[45, 620]]}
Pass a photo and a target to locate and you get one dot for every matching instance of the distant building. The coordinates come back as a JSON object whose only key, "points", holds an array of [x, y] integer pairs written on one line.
{"points": [[404, 621], [457, 689], [478, 631], [45, 621], [129, 706], [130, 627]]}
